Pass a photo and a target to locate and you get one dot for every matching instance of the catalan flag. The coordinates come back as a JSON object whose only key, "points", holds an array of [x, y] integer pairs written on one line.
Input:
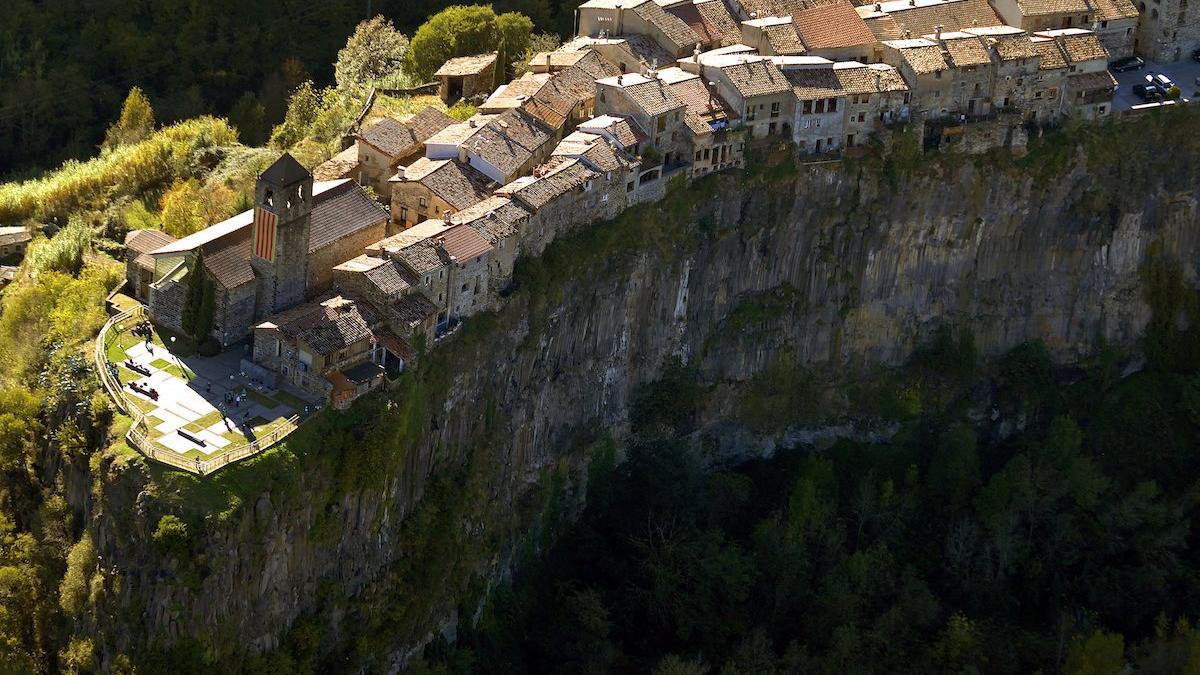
{"points": [[264, 234]]}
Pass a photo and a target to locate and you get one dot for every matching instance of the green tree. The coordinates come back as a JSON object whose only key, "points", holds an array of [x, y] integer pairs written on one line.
{"points": [[302, 111], [249, 117], [463, 30], [374, 51], [172, 536], [81, 562], [204, 313], [135, 124]]}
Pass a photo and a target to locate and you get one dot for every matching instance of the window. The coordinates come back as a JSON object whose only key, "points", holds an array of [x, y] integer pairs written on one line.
{"points": [[422, 202], [820, 106], [771, 129], [662, 122], [775, 109], [937, 75], [750, 113], [404, 213], [440, 273], [427, 281], [862, 117], [833, 105], [706, 151], [808, 107]]}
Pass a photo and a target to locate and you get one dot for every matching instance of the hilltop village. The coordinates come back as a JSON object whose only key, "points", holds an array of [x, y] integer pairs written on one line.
{"points": [[333, 290]]}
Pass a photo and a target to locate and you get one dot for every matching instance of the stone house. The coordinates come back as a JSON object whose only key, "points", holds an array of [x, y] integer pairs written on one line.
{"points": [[14, 240], [603, 18], [1089, 87], [836, 32], [714, 141], [654, 108], [565, 194], [393, 290], [337, 347], [342, 165], [874, 96], [1014, 64], [1115, 21], [389, 144], [623, 131], [139, 264], [469, 268], [429, 188], [753, 86], [560, 97], [773, 36], [501, 147], [269, 258], [927, 72], [905, 19], [970, 69], [1168, 30], [1049, 85], [466, 77], [820, 108], [499, 221]]}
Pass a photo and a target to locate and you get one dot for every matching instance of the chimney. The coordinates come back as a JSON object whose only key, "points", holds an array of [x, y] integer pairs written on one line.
{"points": [[462, 154], [471, 122], [696, 53], [912, 3], [878, 7], [938, 32], [619, 83], [547, 62], [446, 216], [617, 23]]}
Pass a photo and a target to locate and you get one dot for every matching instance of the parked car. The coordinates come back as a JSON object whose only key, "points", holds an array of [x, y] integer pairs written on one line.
{"points": [[1196, 55], [1163, 82], [1147, 92], [1126, 64]]}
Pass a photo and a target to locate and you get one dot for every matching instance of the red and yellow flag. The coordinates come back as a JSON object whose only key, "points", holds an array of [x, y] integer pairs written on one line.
{"points": [[264, 234]]}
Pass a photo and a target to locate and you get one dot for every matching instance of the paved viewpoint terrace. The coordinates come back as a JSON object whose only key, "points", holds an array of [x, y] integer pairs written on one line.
{"points": [[193, 412]]}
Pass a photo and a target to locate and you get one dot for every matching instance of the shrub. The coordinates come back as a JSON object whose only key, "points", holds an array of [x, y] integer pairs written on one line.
{"points": [[81, 562], [172, 537]]}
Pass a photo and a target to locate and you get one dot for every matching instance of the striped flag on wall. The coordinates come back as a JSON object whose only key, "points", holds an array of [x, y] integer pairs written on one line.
{"points": [[264, 234]]}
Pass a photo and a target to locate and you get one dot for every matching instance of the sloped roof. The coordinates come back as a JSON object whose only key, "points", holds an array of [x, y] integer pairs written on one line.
{"points": [[704, 105], [784, 39], [814, 83], [545, 189], [1112, 10], [674, 28], [965, 50], [719, 22], [494, 218], [330, 323], [652, 95], [428, 122], [341, 165], [1083, 47], [421, 256], [457, 183], [389, 136], [285, 171], [623, 129], [341, 212], [466, 65], [1043, 7], [832, 26], [1052, 56], [922, 17], [756, 78], [858, 78], [510, 140], [1101, 79], [463, 243], [922, 56], [140, 241], [391, 278]]}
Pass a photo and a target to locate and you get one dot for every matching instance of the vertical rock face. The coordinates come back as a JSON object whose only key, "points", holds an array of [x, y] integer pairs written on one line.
{"points": [[863, 267]]}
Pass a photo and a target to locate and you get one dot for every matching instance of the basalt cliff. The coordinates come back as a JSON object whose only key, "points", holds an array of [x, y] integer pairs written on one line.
{"points": [[373, 531]]}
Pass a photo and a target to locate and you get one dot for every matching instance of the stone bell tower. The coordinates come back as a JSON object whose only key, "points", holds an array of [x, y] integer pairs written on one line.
{"points": [[282, 219]]}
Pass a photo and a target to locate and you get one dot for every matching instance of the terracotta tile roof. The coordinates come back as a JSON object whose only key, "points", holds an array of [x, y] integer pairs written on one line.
{"points": [[457, 183], [543, 190], [1083, 47], [341, 212], [965, 51], [1091, 81], [777, 7], [391, 279], [719, 21], [390, 137], [704, 105], [510, 141], [813, 83], [421, 256], [756, 78], [1052, 56], [690, 15], [784, 40], [868, 79], [623, 129], [1044, 7], [832, 27], [884, 27], [466, 65], [428, 122], [137, 241], [329, 324], [1011, 46], [922, 17], [410, 311], [494, 218], [674, 28], [558, 96], [922, 56], [463, 243], [1112, 10], [653, 96]]}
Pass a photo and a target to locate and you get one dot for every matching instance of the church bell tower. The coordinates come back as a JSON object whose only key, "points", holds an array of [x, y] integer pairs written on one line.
{"points": [[282, 219]]}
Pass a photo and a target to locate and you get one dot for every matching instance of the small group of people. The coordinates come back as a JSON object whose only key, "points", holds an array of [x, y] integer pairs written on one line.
{"points": [[149, 392], [144, 330], [137, 367]]}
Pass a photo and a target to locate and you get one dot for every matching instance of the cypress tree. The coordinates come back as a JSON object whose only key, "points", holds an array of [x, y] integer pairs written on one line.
{"points": [[195, 296]]}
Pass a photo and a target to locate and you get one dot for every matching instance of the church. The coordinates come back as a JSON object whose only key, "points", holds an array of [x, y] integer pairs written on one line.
{"points": [[265, 260]]}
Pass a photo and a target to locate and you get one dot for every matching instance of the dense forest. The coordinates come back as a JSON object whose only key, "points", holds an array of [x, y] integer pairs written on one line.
{"points": [[1026, 518], [66, 67]]}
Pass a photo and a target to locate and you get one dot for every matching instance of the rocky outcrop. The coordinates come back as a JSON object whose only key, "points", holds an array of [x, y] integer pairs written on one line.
{"points": [[375, 526]]}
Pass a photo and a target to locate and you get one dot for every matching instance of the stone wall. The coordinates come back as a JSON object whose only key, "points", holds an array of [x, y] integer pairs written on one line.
{"points": [[322, 261]]}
